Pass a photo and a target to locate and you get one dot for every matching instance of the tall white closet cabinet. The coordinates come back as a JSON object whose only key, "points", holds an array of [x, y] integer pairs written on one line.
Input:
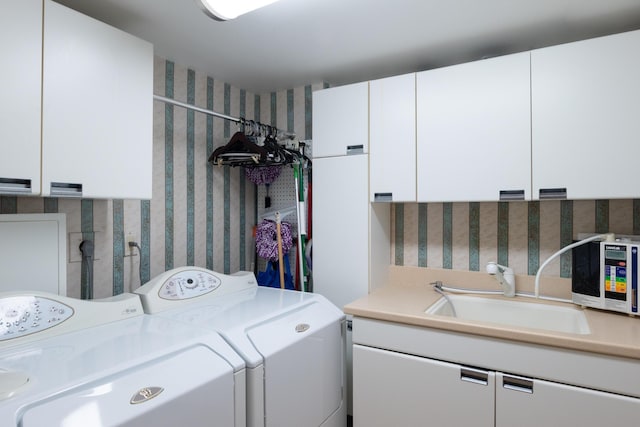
{"points": [[340, 194], [350, 236]]}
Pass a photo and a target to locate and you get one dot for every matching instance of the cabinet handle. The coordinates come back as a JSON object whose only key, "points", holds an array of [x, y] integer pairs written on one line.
{"points": [[383, 197], [475, 376], [511, 195], [522, 385], [65, 189], [553, 193], [15, 186], [355, 149]]}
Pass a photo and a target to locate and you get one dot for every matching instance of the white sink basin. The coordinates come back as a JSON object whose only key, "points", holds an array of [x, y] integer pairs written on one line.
{"points": [[513, 313]]}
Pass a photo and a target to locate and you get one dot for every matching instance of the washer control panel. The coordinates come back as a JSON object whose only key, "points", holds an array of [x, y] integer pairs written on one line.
{"points": [[24, 315], [188, 284]]}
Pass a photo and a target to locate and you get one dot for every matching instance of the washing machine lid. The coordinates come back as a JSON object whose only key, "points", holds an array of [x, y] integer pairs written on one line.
{"points": [[234, 315], [97, 359]]}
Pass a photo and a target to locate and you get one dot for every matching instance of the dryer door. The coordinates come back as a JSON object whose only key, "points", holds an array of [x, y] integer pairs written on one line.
{"points": [[191, 388], [303, 366]]}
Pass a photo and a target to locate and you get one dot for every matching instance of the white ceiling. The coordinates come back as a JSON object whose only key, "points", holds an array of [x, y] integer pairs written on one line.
{"points": [[297, 42]]}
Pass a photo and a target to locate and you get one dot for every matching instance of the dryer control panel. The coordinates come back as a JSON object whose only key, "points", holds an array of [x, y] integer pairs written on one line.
{"points": [[189, 284], [184, 285]]}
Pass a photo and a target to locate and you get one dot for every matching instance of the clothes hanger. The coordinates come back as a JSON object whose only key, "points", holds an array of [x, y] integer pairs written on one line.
{"points": [[239, 151]]}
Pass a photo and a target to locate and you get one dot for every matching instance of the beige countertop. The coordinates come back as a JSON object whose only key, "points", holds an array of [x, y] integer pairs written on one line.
{"points": [[405, 301]]}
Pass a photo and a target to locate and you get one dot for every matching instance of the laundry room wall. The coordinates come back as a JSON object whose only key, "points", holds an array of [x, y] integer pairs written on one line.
{"points": [[204, 215], [522, 235], [200, 214]]}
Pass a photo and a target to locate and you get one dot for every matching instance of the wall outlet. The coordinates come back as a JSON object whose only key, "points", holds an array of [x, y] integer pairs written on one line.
{"points": [[75, 238], [130, 237]]}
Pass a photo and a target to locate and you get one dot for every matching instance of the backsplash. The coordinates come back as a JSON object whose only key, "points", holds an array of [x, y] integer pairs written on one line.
{"points": [[465, 236], [200, 214]]}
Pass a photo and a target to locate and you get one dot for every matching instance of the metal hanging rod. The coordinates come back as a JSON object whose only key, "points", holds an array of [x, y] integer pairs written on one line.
{"points": [[193, 107], [215, 114]]}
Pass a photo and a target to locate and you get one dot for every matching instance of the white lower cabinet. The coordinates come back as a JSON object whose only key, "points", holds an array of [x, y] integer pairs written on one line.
{"points": [[412, 376], [529, 402], [395, 389]]}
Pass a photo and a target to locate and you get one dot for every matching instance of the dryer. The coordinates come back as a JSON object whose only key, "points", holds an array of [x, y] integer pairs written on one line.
{"points": [[68, 362], [293, 343]]}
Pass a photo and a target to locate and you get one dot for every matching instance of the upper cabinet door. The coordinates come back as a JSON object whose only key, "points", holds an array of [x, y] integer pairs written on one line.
{"points": [[392, 151], [341, 120], [97, 108], [20, 74], [474, 131], [585, 113]]}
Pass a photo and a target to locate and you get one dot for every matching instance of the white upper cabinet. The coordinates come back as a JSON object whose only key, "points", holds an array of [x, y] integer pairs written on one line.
{"points": [[97, 108], [586, 118], [20, 74], [474, 131], [341, 120], [392, 139]]}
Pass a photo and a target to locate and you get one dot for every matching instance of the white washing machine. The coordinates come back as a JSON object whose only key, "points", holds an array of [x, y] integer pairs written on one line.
{"points": [[67, 362], [292, 342]]}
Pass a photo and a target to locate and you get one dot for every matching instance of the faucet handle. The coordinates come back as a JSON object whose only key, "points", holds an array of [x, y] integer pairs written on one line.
{"points": [[505, 277]]}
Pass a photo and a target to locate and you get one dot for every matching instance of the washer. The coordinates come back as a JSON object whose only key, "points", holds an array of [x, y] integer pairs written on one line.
{"points": [[293, 343], [69, 362]]}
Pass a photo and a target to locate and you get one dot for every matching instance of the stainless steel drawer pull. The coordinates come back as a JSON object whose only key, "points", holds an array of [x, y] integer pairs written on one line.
{"points": [[64, 189], [518, 384], [15, 186], [474, 376], [383, 197], [511, 195], [553, 193], [355, 149]]}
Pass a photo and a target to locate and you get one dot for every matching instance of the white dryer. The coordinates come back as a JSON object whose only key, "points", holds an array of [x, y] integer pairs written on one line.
{"points": [[68, 362], [293, 343]]}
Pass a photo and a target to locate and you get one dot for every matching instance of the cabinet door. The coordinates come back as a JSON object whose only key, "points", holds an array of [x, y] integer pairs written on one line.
{"points": [[585, 113], [474, 132], [341, 120], [395, 389], [524, 402], [341, 228], [97, 107], [20, 73], [392, 133]]}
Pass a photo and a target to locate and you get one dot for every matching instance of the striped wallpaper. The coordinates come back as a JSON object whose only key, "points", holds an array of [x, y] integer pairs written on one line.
{"points": [[203, 215], [200, 214], [465, 236]]}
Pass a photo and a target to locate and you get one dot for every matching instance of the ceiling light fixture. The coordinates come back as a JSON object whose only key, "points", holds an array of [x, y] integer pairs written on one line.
{"points": [[223, 10]]}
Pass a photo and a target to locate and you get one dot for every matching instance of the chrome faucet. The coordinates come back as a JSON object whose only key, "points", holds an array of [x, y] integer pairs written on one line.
{"points": [[504, 276]]}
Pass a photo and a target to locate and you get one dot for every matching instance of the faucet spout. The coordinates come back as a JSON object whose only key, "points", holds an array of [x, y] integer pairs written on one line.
{"points": [[505, 277]]}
